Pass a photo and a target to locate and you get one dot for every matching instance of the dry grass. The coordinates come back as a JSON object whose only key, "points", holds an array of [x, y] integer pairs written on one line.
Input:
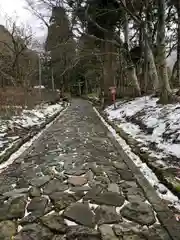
{"points": [[14, 100]]}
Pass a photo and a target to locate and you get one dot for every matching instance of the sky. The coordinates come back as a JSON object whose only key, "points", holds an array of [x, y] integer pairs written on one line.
{"points": [[16, 9]]}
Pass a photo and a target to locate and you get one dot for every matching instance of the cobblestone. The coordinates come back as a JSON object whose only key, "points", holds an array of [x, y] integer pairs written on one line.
{"points": [[71, 181]]}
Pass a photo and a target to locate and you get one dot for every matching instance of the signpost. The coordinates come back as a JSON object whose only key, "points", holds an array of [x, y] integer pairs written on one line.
{"points": [[113, 93]]}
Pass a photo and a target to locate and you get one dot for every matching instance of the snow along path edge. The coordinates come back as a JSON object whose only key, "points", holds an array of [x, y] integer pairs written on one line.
{"points": [[165, 216], [27, 146]]}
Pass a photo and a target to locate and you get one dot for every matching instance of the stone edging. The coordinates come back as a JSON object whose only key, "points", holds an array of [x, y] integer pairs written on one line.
{"points": [[163, 176], [165, 216], [28, 137]]}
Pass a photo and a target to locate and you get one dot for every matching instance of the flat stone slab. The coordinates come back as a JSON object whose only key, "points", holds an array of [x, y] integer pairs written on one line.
{"points": [[77, 181], [106, 214], [34, 192], [16, 208], [109, 198], [75, 171], [59, 237], [107, 232], [34, 231], [139, 212], [37, 204], [111, 182], [113, 187], [126, 175], [16, 192], [54, 185], [7, 230], [40, 181], [81, 214], [120, 165], [30, 218], [81, 232], [54, 222], [79, 189], [62, 200]]}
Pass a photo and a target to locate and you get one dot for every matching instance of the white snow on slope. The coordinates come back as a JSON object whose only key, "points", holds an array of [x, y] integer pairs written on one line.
{"points": [[163, 121], [25, 146], [27, 119], [147, 172]]}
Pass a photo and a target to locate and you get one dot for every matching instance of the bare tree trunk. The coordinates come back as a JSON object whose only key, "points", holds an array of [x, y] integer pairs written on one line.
{"points": [[108, 75], [146, 65], [86, 86], [131, 73], [153, 70], [126, 28], [164, 80]]}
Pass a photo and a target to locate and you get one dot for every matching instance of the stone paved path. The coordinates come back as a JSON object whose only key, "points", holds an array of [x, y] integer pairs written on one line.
{"points": [[73, 185]]}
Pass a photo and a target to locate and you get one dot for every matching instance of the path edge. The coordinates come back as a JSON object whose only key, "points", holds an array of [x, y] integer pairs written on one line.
{"points": [[164, 215], [31, 138]]}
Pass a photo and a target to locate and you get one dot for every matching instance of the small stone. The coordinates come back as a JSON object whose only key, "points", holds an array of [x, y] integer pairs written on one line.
{"points": [[133, 236], [62, 200], [109, 198], [77, 181], [139, 212], [106, 214], [34, 192], [79, 189], [136, 198], [55, 222], [3, 212], [81, 214], [17, 208], [30, 218], [40, 181], [132, 192], [22, 183], [90, 175], [34, 231], [107, 232], [81, 232], [157, 232], [161, 188], [7, 230], [129, 184], [75, 172], [113, 187], [93, 193], [126, 175], [102, 179], [37, 204], [55, 185], [97, 170], [114, 176], [16, 192], [59, 237], [120, 165], [125, 228]]}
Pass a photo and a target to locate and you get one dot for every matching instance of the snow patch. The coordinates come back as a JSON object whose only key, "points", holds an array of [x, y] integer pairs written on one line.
{"points": [[147, 172], [25, 146]]}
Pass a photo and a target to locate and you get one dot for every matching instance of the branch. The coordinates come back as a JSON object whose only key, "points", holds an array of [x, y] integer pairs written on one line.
{"points": [[36, 13]]}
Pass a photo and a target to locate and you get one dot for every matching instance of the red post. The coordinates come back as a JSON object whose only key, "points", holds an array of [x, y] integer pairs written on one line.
{"points": [[113, 93]]}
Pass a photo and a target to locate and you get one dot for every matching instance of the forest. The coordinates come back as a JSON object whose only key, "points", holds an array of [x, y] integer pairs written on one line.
{"points": [[93, 45], [122, 43]]}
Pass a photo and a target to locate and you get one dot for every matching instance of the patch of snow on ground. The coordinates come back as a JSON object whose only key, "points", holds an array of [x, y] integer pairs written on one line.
{"points": [[147, 172], [27, 121], [150, 123]]}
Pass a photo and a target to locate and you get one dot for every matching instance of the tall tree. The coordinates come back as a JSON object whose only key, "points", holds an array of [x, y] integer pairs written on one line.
{"points": [[61, 45], [164, 80]]}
